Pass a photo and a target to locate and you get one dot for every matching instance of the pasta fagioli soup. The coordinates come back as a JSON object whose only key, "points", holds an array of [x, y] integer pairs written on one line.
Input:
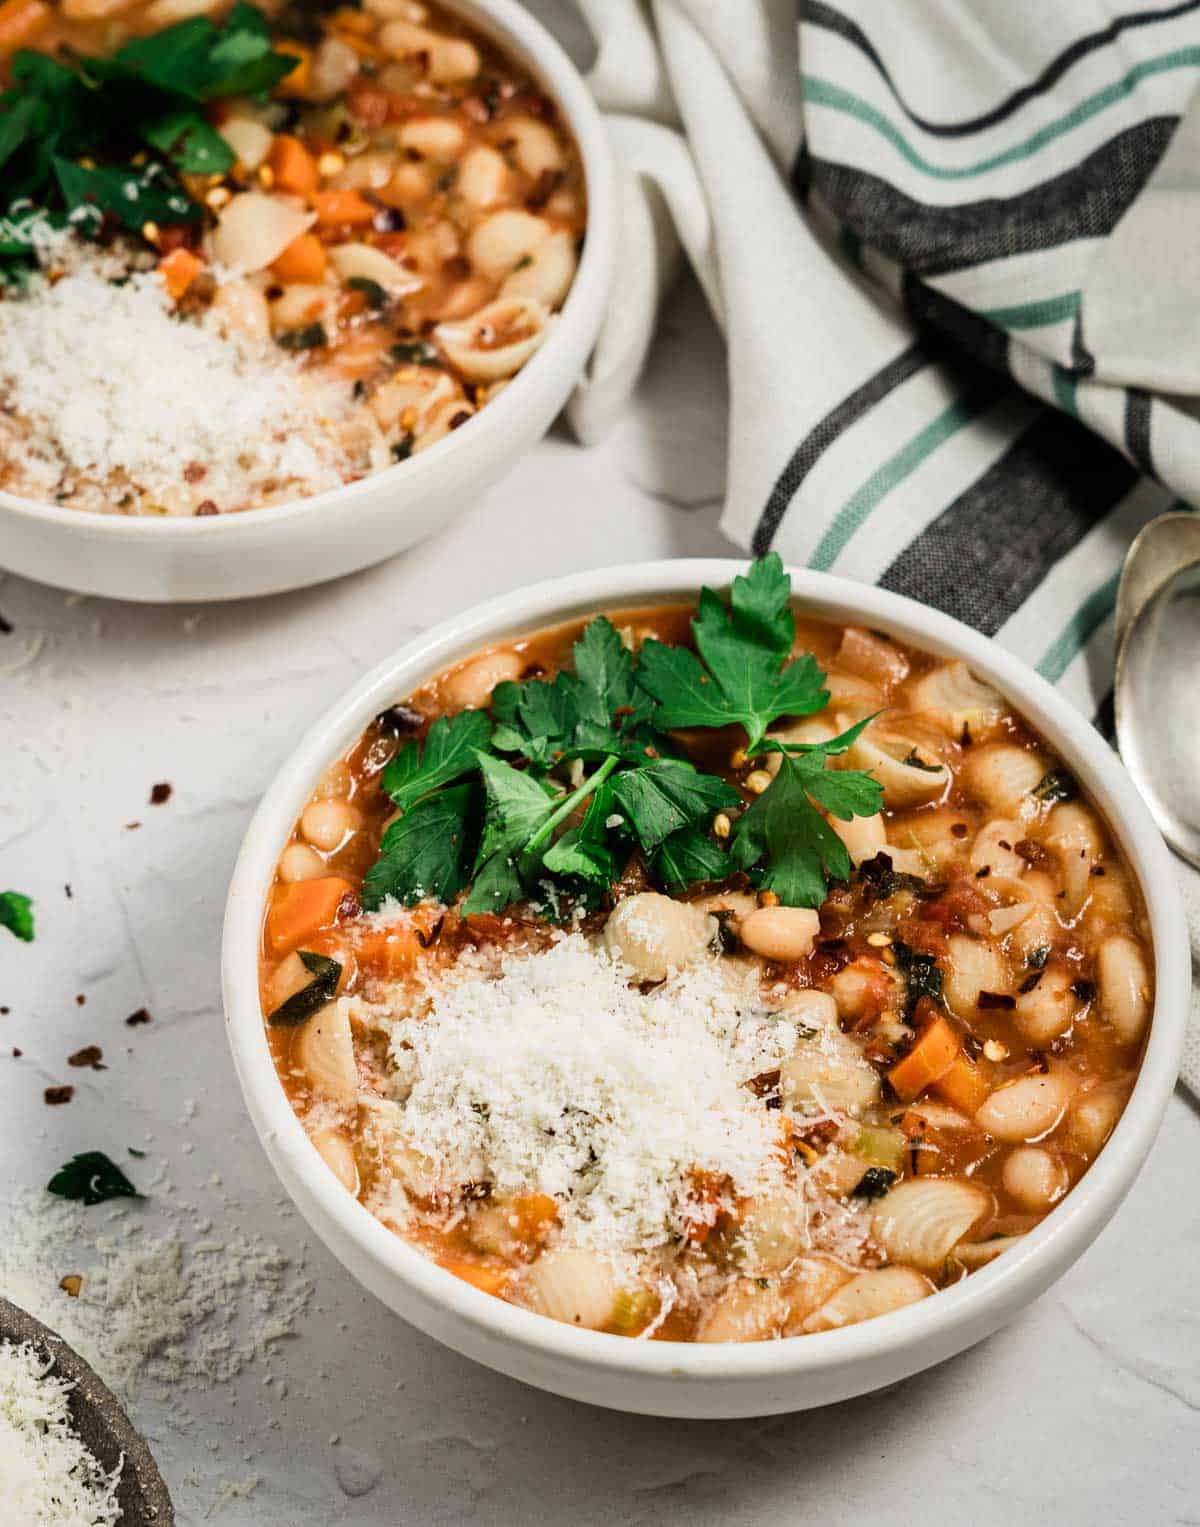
{"points": [[706, 974], [306, 241]]}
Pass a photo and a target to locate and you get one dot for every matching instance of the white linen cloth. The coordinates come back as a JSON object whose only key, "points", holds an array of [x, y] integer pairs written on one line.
{"points": [[953, 252]]}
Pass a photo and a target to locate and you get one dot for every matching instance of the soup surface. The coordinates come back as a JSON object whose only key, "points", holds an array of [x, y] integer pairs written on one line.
{"points": [[690, 1028], [305, 243]]}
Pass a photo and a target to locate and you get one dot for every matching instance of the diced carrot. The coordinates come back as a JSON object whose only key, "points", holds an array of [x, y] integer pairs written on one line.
{"points": [[388, 953], [531, 1216], [964, 1086], [303, 260], [294, 167], [345, 208], [299, 81], [299, 909], [20, 23], [179, 269], [928, 1060], [490, 1279]]}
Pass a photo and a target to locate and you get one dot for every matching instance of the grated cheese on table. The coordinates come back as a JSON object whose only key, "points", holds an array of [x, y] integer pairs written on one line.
{"points": [[48, 1478], [558, 1075], [107, 395]]}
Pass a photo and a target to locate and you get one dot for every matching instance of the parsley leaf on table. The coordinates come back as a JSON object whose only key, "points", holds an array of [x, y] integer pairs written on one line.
{"points": [[742, 674], [91, 1178], [16, 914]]}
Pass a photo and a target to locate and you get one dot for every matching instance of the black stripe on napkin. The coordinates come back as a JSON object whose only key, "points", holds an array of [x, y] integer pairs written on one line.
{"points": [[1085, 201], [814, 13], [975, 336], [988, 551], [1137, 429], [819, 439]]}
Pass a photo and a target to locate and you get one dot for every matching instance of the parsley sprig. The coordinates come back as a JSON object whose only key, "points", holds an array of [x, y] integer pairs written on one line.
{"points": [[546, 797], [85, 138]]}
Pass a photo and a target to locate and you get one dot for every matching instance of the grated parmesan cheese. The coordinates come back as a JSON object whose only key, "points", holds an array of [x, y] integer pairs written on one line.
{"points": [[558, 1075], [47, 1477], [106, 394]]}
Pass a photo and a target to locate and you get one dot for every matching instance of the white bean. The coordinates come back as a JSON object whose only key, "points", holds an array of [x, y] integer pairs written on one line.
{"points": [[654, 934], [1094, 1115], [470, 687], [1124, 983], [1036, 1178], [574, 1286], [327, 824], [503, 239], [299, 862], [433, 137], [993, 849], [535, 146], [771, 1232], [973, 966], [1049, 1009], [482, 177], [334, 65], [864, 837], [781, 933], [1003, 777], [546, 274], [1026, 1109]]}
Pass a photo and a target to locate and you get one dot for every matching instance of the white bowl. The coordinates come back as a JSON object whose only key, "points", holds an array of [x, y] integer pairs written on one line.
{"points": [[288, 546], [679, 1379]]}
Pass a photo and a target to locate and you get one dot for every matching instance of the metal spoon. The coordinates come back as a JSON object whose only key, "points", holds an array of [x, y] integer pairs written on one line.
{"points": [[1158, 675]]}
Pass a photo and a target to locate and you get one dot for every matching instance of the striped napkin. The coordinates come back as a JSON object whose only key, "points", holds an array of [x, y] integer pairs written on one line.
{"points": [[949, 247]]}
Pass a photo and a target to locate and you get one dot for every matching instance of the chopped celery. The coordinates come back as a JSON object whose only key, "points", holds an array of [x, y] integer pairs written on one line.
{"points": [[634, 1308], [881, 1146]]}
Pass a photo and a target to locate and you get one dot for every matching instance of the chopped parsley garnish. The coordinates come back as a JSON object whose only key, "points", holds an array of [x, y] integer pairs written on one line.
{"points": [[547, 796], [924, 976], [873, 1183], [16, 914], [1057, 785], [91, 1178], [311, 337], [310, 999], [83, 140]]}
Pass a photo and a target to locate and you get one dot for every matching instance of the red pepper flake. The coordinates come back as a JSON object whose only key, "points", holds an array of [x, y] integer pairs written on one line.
{"points": [[160, 794], [80, 999], [141, 1016], [205, 507], [56, 1095], [132, 826], [17, 1053], [194, 472], [69, 891], [90, 1055], [4, 1011]]}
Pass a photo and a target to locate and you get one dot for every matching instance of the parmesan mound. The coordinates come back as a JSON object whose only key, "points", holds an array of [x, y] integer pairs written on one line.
{"points": [[109, 399], [559, 1076], [47, 1477]]}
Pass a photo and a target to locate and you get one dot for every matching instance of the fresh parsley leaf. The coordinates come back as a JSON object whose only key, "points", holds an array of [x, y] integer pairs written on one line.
{"points": [[922, 973], [517, 805], [450, 751], [133, 196], [311, 337], [16, 914], [742, 674], [188, 141], [428, 852], [786, 841], [687, 856], [310, 999], [91, 1178], [666, 795]]}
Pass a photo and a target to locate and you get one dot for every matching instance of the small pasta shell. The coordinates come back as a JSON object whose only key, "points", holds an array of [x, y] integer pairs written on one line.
{"points": [[1027, 1109], [771, 1232], [498, 244], [809, 1284], [973, 1254], [364, 261], [325, 1050], [535, 146], [993, 852], [1036, 1178], [923, 778], [871, 657], [497, 340], [1073, 834], [827, 1072], [575, 1286], [744, 1312], [878, 1291], [546, 274], [254, 229], [1004, 776], [1124, 983], [1094, 1115], [338, 1155], [920, 1220], [864, 837], [953, 698]]}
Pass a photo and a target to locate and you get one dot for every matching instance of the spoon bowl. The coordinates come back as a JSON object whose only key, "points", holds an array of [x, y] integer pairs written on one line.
{"points": [[1158, 663]]}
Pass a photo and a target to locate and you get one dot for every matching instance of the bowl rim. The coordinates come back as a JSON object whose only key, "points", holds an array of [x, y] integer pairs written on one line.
{"points": [[1012, 1279], [519, 32]]}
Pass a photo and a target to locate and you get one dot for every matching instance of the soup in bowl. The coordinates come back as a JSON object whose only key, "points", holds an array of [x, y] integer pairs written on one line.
{"points": [[308, 244], [720, 972]]}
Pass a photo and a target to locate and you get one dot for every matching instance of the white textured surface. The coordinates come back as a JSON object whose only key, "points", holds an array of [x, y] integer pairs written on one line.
{"points": [[1089, 1402]]}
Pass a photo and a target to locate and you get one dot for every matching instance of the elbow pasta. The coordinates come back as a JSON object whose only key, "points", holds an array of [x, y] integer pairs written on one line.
{"points": [[399, 228], [967, 1035]]}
